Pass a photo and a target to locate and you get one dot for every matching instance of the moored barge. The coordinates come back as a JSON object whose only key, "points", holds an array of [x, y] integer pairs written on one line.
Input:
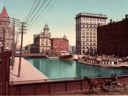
{"points": [[102, 61]]}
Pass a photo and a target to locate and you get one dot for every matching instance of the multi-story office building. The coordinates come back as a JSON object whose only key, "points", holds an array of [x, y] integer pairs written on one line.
{"points": [[86, 31], [60, 45], [6, 32], [42, 42], [112, 39]]}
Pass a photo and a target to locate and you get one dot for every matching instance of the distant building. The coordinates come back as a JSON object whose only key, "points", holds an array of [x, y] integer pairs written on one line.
{"points": [[72, 49], [60, 45], [28, 48], [112, 39], [42, 42], [6, 32], [86, 31]]}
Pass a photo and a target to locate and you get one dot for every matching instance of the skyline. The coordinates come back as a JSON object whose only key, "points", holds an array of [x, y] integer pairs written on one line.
{"points": [[61, 16]]}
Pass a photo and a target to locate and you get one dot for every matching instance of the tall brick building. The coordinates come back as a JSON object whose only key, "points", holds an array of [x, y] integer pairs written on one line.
{"points": [[60, 45], [6, 32], [112, 39]]}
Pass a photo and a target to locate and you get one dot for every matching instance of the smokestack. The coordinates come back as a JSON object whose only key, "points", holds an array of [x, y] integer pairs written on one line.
{"points": [[126, 16], [110, 20]]}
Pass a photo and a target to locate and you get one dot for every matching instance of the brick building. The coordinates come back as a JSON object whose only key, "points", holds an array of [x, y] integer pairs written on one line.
{"points": [[6, 32], [112, 39], [60, 45]]}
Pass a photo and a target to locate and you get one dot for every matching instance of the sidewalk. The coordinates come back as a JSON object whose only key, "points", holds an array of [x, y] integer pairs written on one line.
{"points": [[28, 72]]}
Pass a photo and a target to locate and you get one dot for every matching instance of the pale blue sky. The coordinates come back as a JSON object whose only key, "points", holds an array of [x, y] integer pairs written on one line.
{"points": [[61, 17]]}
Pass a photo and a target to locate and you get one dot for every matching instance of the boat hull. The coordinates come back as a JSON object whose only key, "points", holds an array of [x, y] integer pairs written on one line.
{"points": [[102, 65], [66, 57]]}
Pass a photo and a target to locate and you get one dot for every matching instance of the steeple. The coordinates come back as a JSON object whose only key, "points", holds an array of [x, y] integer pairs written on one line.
{"points": [[4, 13]]}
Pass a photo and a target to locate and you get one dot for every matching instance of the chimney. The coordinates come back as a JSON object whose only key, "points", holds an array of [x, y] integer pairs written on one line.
{"points": [[110, 20], [126, 16]]}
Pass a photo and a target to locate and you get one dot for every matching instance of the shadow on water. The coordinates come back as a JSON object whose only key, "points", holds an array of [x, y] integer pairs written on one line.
{"points": [[66, 61]]}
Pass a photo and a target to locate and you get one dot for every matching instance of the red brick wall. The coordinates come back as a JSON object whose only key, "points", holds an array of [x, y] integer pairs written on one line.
{"points": [[112, 39], [59, 44]]}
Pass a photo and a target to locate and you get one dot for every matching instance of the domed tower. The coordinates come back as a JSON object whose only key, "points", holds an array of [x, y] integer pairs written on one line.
{"points": [[46, 33], [65, 37], [46, 28], [45, 42]]}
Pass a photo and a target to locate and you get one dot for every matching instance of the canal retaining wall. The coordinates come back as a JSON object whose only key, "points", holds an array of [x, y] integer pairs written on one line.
{"points": [[55, 87]]}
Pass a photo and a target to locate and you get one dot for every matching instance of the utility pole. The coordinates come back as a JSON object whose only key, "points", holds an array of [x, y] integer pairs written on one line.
{"points": [[21, 45], [13, 49]]}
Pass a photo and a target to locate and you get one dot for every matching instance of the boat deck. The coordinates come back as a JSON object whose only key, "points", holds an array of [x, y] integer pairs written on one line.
{"points": [[104, 65]]}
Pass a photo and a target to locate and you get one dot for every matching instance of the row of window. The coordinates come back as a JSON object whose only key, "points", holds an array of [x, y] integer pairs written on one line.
{"points": [[88, 33], [88, 36], [89, 40], [89, 25], [88, 47], [88, 29], [93, 19], [91, 44]]}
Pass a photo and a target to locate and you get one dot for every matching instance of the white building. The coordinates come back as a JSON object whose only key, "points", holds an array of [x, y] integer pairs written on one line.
{"points": [[42, 42], [45, 42], [86, 31]]}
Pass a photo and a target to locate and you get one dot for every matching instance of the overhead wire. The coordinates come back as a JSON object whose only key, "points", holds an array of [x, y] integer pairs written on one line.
{"points": [[30, 12], [36, 6], [44, 11], [36, 12]]}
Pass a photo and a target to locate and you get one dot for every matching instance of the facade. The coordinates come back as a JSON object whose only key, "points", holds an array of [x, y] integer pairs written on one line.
{"points": [[60, 45], [72, 49], [6, 32], [42, 42], [113, 38], [28, 48], [86, 31]]}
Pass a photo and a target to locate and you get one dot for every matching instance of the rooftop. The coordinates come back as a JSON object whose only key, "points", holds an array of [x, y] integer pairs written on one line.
{"points": [[91, 15], [4, 13]]}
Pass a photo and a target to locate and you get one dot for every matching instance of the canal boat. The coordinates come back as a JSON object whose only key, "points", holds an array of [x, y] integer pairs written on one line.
{"points": [[102, 61], [66, 56]]}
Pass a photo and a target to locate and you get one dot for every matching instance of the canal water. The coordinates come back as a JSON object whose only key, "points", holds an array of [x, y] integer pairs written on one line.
{"points": [[55, 68]]}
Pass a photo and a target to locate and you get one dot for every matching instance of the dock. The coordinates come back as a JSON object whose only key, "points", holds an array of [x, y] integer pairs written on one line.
{"points": [[27, 73]]}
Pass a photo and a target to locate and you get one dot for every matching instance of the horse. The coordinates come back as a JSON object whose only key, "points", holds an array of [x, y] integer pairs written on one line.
{"points": [[110, 84], [92, 83]]}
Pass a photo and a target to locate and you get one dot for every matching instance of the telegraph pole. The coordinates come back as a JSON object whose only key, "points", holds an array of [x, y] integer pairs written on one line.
{"points": [[13, 49], [21, 45]]}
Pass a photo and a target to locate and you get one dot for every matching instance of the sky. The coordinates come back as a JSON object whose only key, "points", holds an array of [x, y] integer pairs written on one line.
{"points": [[61, 16]]}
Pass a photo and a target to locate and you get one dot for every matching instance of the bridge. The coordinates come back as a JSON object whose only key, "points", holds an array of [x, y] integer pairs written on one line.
{"points": [[31, 55]]}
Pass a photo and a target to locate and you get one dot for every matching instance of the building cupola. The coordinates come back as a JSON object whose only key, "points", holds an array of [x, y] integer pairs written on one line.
{"points": [[46, 27]]}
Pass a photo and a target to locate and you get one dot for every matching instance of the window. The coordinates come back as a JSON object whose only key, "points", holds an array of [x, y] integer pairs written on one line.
{"points": [[86, 39], [87, 33]]}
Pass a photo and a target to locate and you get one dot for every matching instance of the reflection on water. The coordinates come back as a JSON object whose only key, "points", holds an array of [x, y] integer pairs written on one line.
{"points": [[55, 68]]}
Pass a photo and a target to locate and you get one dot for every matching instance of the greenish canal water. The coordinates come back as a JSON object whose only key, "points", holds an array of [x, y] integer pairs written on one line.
{"points": [[55, 68]]}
